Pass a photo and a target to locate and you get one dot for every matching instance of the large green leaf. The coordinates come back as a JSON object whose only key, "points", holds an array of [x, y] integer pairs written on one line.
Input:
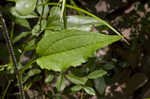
{"points": [[77, 80], [25, 7], [62, 49]]}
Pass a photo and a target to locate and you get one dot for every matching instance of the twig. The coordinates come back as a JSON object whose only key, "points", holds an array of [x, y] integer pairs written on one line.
{"points": [[12, 54]]}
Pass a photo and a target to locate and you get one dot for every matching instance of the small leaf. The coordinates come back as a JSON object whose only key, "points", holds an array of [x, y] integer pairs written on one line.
{"points": [[82, 20], [25, 7], [76, 88], [31, 73], [31, 15], [62, 49], [89, 90], [100, 85], [75, 22], [54, 22], [20, 36], [39, 27], [108, 66], [49, 78], [42, 10], [31, 45], [77, 80], [23, 22], [60, 84], [97, 74]]}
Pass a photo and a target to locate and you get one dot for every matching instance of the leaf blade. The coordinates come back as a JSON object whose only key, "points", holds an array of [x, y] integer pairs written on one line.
{"points": [[97, 74], [60, 50]]}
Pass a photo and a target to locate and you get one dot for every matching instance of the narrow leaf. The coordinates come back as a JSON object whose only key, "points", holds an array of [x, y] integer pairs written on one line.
{"points": [[20, 36], [76, 88], [60, 84], [49, 78], [77, 80], [89, 90], [23, 22], [97, 74]]}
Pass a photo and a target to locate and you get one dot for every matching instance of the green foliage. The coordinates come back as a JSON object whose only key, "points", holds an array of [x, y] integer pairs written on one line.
{"points": [[59, 43]]}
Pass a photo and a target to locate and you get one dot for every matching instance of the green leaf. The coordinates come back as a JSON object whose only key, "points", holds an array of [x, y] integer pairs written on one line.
{"points": [[15, 13], [31, 73], [42, 10], [49, 78], [62, 49], [77, 80], [54, 21], [89, 90], [84, 23], [23, 22], [31, 45], [97, 74], [100, 85], [108, 66], [25, 7], [39, 27], [60, 84], [74, 22], [20, 36], [76, 88], [82, 20]]}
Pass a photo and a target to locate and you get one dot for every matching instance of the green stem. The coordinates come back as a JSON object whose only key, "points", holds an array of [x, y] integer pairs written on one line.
{"points": [[6, 89], [82, 94]]}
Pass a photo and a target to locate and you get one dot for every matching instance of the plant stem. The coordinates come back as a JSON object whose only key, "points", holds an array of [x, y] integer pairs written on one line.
{"points": [[6, 89], [82, 94], [12, 54]]}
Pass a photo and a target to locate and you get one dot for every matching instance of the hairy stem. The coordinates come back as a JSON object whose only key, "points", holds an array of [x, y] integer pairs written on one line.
{"points": [[12, 54]]}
